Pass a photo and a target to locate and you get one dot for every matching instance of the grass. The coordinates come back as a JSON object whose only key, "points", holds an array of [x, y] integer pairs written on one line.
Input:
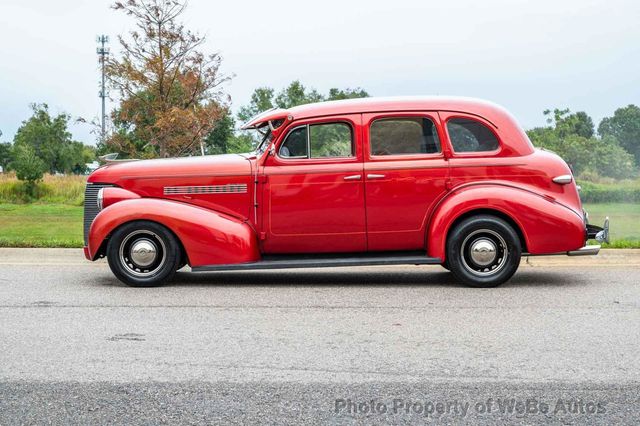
{"points": [[40, 225], [59, 225], [625, 222], [53, 189]]}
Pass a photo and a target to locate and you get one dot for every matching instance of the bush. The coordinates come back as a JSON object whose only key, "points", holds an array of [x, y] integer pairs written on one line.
{"points": [[29, 168], [620, 192]]}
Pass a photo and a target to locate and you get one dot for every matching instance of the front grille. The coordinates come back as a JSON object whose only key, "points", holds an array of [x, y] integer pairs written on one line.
{"points": [[91, 207]]}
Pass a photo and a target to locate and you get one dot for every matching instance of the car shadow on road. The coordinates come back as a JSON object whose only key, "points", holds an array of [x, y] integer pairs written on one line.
{"points": [[416, 278]]}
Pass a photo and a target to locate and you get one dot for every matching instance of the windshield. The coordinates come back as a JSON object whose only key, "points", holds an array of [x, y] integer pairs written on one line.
{"points": [[262, 136]]}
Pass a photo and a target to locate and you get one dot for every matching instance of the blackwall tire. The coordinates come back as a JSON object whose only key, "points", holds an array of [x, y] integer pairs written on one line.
{"points": [[143, 254], [483, 251]]}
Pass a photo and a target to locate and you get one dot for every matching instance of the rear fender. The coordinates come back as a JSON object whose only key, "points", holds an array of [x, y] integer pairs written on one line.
{"points": [[546, 226], [208, 237]]}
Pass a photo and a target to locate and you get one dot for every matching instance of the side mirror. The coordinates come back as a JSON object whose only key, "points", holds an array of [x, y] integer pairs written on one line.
{"points": [[272, 150]]}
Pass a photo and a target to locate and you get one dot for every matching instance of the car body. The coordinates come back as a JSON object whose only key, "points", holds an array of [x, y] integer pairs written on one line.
{"points": [[450, 181]]}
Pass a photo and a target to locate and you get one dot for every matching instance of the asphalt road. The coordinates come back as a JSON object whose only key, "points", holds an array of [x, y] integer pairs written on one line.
{"points": [[559, 343]]}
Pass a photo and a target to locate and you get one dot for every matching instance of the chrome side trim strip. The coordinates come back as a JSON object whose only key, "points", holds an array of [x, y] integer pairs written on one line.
{"points": [[231, 188]]}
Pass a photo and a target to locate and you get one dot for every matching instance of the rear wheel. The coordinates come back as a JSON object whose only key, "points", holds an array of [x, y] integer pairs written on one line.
{"points": [[143, 254], [483, 251]]}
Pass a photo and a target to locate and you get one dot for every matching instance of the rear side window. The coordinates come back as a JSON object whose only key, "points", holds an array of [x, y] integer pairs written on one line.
{"points": [[404, 136], [325, 140], [471, 136]]}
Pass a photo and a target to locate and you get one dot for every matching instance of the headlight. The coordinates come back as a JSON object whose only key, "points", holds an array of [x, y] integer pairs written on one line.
{"points": [[99, 198]]}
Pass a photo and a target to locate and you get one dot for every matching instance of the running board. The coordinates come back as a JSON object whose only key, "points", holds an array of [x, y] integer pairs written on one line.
{"points": [[325, 261]]}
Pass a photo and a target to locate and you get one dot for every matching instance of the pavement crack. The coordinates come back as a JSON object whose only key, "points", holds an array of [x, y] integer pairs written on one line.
{"points": [[127, 336], [43, 304]]}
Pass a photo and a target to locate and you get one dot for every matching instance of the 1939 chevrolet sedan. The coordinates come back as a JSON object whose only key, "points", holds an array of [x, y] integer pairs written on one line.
{"points": [[446, 181]]}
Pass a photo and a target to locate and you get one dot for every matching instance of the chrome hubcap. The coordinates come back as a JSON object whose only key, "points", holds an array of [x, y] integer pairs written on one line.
{"points": [[143, 252], [483, 252]]}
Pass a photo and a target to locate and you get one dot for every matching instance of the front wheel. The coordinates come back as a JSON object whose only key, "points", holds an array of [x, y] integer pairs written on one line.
{"points": [[143, 254], [483, 251]]}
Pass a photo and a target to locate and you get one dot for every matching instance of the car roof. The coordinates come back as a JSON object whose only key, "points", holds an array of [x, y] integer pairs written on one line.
{"points": [[511, 133], [488, 110]]}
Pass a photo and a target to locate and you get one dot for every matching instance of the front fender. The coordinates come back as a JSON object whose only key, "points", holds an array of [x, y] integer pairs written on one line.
{"points": [[208, 237], [547, 226]]}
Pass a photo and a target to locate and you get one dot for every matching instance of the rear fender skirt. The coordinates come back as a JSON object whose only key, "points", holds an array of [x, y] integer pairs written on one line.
{"points": [[208, 237], [547, 226]]}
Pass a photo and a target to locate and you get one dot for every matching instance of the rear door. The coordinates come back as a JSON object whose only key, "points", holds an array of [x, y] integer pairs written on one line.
{"points": [[405, 173]]}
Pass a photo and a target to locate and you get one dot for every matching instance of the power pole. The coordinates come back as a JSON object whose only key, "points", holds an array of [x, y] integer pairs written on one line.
{"points": [[103, 51]]}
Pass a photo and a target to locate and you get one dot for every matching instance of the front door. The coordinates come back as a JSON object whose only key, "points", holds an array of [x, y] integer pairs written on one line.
{"points": [[314, 190], [405, 175]]}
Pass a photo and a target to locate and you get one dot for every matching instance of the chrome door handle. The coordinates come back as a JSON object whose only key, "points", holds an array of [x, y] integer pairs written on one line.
{"points": [[374, 176], [353, 177]]}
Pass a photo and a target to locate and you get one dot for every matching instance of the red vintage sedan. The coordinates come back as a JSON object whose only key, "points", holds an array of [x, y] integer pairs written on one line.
{"points": [[377, 181]]}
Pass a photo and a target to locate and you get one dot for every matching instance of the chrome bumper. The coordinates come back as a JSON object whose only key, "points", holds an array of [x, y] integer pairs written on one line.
{"points": [[585, 251], [601, 235]]}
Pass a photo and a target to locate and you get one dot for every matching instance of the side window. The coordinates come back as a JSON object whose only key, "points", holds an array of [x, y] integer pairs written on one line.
{"points": [[471, 136], [295, 146], [324, 140], [330, 140], [403, 136]]}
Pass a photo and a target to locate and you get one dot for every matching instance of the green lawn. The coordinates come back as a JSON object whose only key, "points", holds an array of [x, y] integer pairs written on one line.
{"points": [[59, 225], [40, 225], [625, 222]]}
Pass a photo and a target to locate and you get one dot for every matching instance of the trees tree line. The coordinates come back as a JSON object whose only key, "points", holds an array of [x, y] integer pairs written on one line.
{"points": [[614, 151], [172, 103], [43, 144]]}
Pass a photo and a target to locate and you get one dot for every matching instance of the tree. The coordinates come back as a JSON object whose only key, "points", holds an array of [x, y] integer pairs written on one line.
{"points": [[170, 91], [6, 155], [28, 167], [611, 159], [296, 94], [264, 98], [566, 124], [339, 94], [50, 140], [217, 141], [261, 100], [625, 127], [571, 137], [224, 140]]}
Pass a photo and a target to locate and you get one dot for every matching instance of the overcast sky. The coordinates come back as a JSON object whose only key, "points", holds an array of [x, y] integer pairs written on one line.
{"points": [[526, 55]]}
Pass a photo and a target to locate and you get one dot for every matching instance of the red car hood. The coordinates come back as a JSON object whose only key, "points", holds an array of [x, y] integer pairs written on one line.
{"points": [[210, 165]]}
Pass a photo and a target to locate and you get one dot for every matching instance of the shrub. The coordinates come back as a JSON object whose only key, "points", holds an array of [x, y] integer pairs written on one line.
{"points": [[29, 168], [620, 192]]}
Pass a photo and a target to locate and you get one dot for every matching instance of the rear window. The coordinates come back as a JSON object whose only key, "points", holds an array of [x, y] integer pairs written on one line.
{"points": [[404, 136], [471, 136]]}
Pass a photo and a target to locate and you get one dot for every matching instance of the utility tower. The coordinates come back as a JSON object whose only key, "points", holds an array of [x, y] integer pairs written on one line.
{"points": [[103, 52]]}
